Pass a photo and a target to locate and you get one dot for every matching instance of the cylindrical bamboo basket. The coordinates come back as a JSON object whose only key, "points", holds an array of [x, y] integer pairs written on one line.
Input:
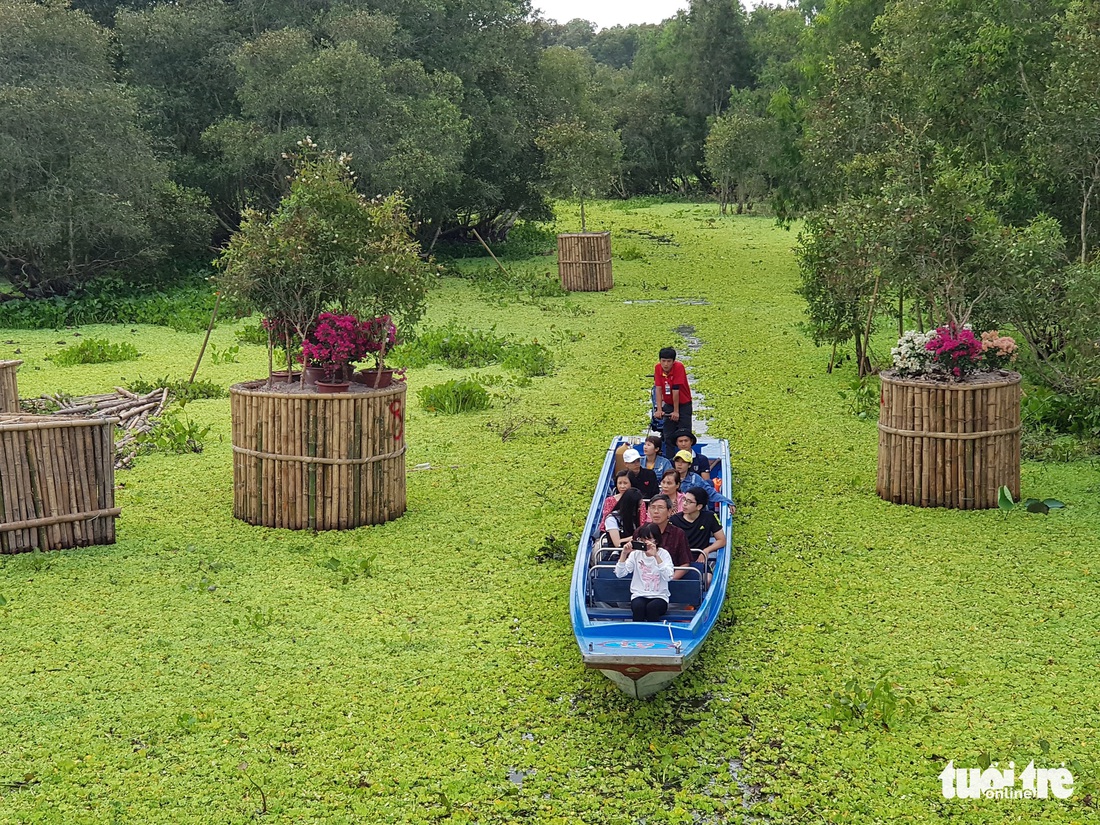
{"points": [[57, 482], [949, 444], [9, 389], [584, 261], [318, 461]]}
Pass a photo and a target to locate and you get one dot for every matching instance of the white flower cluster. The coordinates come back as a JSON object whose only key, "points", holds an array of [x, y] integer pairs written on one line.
{"points": [[911, 355]]}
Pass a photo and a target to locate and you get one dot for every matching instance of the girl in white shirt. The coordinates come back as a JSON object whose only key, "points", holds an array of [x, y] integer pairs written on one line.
{"points": [[651, 569]]}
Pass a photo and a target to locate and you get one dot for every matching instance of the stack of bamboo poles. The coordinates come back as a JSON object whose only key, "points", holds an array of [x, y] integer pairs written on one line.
{"points": [[312, 461], [57, 481], [584, 261], [951, 444], [133, 412], [9, 388]]}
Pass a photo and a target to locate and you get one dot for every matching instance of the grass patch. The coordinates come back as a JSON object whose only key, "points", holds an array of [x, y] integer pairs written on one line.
{"points": [[94, 351], [457, 396]]}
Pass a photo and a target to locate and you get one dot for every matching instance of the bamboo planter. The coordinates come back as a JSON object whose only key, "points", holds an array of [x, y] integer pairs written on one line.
{"points": [[584, 261], [9, 389], [57, 482], [949, 444], [312, 461]]}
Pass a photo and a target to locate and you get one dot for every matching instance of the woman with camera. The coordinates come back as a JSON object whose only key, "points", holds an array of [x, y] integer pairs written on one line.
{"points": [[651, 570]]}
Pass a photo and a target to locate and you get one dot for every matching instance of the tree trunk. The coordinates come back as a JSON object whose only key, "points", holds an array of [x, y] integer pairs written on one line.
{"points": [[582, 216]]}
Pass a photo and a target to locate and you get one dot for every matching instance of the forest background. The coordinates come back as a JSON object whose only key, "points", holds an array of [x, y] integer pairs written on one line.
{"points": [[944, 151]]}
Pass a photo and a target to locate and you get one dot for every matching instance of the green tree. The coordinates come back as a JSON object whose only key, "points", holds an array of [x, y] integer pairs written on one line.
{"points": [[738, 153], [80, 189], [580, 161], [1065, 140], [326, 247]]}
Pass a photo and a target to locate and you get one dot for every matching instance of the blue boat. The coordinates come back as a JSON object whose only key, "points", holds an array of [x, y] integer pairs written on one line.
{"points": [[641, 658]]}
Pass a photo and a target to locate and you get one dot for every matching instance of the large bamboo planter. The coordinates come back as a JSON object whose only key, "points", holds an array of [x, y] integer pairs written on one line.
{"points": [[949, 444], [57, 482], [312, 461], [9, 389], [584, 261]]}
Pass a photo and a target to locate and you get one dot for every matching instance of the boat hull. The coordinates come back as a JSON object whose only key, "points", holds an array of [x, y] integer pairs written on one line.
{"points": [[642, 658]]}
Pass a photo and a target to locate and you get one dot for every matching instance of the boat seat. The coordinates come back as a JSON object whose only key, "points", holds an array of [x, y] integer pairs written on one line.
{"points": [[608, 589]]}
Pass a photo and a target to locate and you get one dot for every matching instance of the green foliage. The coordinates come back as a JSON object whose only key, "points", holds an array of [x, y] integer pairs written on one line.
{"points": [[326, 247], [581, 160], [737, 154], [458, 346], [455, 396], [531, 359], [175, 435], [862, 398], [185, 304], [1031, 505], [453, 345], [252, 334], [557, 549], [179, 388], [363, 697], [228, 355], [94, 351], [81, 188], [876, 705]]}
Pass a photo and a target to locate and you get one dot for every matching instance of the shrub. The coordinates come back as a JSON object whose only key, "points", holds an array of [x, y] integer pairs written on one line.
{"points": [[453, 345], [529, 359], [171, 434], [252, 334], [455, 397], [94, 351], [183, 304], [178, 388]]}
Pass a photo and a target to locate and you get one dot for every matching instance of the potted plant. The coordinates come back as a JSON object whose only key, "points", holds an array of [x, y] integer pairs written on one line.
{"points": [[380, 335], [326, 248], [331, 346], [949, 419], [581, 160]]}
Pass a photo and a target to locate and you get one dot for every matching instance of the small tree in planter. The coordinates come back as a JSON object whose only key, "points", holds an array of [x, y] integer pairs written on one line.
{"points": [[580, 162], [326, 248]]}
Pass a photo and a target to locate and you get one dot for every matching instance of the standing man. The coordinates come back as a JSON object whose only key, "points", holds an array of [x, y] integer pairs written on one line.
{"points": [[671, 384]]}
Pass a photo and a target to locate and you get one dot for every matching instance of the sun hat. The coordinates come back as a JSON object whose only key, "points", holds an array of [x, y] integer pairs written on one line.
{"points": [[684, 455], [630, 456], [689, 434]]}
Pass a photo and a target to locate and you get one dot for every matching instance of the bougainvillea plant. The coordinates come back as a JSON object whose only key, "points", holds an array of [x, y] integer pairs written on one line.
{"points": [[955, 350], [335, 341]]}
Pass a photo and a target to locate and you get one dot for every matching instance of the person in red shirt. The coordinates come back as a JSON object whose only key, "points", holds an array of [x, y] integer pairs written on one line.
{"points": [[672, 390]]}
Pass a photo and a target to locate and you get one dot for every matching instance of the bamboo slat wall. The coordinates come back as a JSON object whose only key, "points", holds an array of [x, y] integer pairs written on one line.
{"points": [[953, 444], [9, 389], [584, 261], [57, 482], [312, 461]]}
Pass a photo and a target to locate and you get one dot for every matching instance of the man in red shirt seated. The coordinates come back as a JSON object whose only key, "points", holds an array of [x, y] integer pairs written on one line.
{"points": [[670, 383]]}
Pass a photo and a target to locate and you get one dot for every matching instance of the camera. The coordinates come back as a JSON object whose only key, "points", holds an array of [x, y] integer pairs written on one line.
{"points": [[637, 544]]}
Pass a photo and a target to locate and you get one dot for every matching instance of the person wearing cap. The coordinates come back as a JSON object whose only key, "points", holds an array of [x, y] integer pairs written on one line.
{"points": [[686, 440], [682, 463], [642, 479], [670, 384]]}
